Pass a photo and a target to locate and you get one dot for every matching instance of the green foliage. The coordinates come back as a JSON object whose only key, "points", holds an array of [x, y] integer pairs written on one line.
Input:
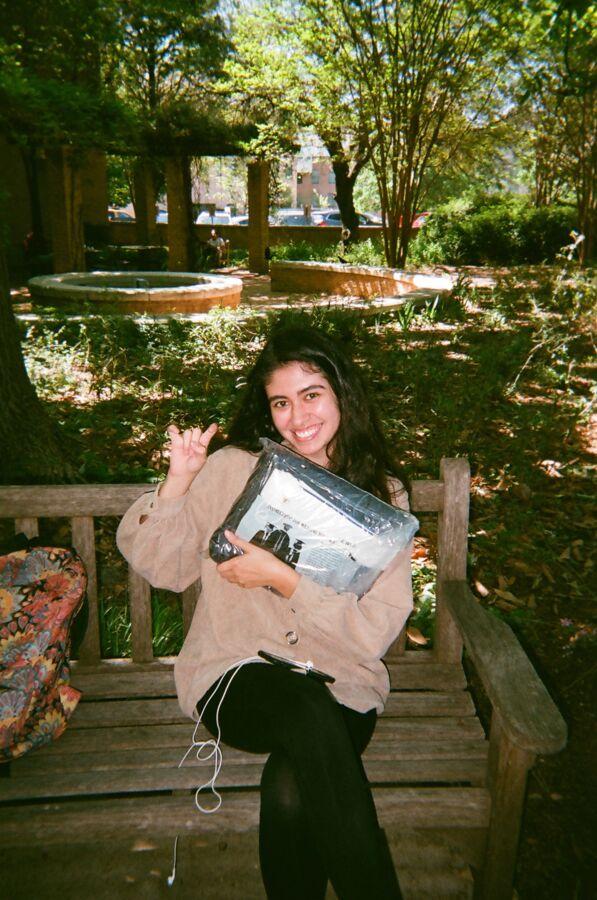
{"points": [[301, 250], [120, 179], [493, 229], [366, 253], [115, 627]]}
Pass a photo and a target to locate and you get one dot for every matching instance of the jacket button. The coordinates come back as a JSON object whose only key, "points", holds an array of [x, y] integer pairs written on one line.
{"points": [[292, 637]]}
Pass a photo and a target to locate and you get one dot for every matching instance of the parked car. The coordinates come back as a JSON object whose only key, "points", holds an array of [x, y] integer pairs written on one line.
{"points": [[420, 219], [119, 215], [293, 219], [333, 217], [219, 218]]}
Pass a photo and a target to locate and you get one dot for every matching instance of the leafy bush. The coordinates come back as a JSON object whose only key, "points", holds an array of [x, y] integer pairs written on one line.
{"points": [[302, 250], [495, 229], [366, 253]]}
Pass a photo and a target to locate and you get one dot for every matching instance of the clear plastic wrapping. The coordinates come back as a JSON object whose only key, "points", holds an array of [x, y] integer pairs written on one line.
{"points": [[318, 523]]}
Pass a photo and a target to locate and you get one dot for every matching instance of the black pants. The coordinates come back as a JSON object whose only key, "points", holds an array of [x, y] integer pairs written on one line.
{"points": [[318, 819]]}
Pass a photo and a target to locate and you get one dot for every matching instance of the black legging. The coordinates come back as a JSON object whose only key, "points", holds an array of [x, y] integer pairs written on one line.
{"points": [[317, 818]]}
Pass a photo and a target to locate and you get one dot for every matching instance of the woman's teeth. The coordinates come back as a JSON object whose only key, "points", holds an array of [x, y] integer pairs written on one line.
{"points": [[307, 433]]}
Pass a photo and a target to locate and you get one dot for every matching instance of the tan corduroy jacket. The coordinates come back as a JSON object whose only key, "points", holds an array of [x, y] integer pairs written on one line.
{"points": [[341, 635]]}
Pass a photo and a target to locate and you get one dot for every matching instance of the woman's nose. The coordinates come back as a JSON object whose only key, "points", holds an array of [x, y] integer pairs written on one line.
{"points": [[299, 415]]}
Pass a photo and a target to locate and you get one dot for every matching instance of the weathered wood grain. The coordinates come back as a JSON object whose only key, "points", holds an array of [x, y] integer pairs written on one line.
{"points": [[23, 501], [427, 677], [452, 544], [530, 718], [140, 606], [28, 526], [41, 501], [106, 757], [83, 538], [507, 778], [123, 678], [429, 807], [140, 776], [399, 736]]}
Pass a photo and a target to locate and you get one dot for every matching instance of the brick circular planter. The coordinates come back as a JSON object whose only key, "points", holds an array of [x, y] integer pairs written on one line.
{"points": [[355, 281], [149, 292]]}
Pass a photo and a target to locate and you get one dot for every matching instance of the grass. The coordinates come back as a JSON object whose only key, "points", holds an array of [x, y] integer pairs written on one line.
{"points": [[503, 376]]}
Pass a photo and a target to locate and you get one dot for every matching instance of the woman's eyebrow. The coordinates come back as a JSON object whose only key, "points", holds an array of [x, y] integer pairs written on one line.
{"points": [[304, 390]]}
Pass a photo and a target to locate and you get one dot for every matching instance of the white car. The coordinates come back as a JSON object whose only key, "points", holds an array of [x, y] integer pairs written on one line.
{"points": [[219, 218]]}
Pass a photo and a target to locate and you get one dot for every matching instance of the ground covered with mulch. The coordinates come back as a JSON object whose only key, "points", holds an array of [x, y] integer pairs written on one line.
{"points": [[502, 374]]}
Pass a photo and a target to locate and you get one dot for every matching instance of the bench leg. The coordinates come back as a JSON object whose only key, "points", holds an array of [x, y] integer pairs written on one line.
{"points": [[507, 778]]}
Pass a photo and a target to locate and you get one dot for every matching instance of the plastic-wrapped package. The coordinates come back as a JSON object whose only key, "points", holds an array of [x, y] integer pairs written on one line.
{"points": [[318, 523]]}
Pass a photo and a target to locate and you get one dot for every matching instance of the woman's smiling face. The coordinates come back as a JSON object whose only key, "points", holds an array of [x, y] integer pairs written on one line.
{"points": [[304, 410]]}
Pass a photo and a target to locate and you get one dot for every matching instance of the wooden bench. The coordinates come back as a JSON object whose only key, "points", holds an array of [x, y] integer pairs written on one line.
{"points": [[432, 768]]}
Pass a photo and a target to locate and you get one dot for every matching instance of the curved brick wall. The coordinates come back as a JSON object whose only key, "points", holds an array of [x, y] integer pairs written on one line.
{"points": [[352, 281]]}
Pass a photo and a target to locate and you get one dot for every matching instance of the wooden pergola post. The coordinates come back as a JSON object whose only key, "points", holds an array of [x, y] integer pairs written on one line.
{"points": [[180, 217], [94, 186], [65, 199], [145, 201], [258, 229]]}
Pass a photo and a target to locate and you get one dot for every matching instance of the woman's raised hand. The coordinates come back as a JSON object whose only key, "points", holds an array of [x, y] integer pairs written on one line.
{"points": [[188, 453]]}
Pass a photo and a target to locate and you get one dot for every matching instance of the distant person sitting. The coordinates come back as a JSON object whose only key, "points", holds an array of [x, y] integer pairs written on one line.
{"points": [[220, 246]]}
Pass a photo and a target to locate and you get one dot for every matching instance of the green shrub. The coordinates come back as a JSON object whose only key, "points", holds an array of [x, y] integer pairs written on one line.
{"points": [[302, 250], [495, 229], [366, 253]]}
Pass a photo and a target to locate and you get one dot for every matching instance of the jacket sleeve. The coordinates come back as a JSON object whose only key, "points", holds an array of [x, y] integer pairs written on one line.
{"points": [[366, 628], [164, 539]]}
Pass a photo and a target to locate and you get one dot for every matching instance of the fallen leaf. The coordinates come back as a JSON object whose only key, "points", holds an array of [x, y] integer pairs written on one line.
{"points": [[504, 582], [414, 635], [565, 554], [480, 588], [141, 844], [419, 553], [509, 596]]}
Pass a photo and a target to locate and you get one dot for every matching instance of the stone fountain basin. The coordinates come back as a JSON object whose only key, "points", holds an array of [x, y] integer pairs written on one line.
{"points": [[149, 292]]}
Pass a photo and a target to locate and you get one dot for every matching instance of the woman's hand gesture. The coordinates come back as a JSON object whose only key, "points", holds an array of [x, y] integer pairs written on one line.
{"points": [[188, 453]]}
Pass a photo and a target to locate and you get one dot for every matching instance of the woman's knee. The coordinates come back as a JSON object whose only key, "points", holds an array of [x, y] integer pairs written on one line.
{"points": [[280, 795]]}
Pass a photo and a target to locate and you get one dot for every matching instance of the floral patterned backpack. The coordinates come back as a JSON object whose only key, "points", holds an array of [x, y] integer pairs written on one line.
{"points": [[41, 591]]}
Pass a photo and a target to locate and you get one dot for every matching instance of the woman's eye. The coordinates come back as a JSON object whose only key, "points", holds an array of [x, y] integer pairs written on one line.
{"points": [[279, 404], [312, 395]]}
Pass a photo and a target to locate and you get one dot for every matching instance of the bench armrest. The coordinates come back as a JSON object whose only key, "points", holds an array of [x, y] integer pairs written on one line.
{"points": [[529, 716]]}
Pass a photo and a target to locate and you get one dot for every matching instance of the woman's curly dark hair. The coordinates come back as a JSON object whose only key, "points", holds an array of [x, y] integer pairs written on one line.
{"points": [[359, 452]]}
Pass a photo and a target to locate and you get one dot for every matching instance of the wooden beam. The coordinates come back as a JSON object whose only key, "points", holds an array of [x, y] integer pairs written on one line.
{"points": [[507, 778], [530, 718], [452, 544], [83, 537]]}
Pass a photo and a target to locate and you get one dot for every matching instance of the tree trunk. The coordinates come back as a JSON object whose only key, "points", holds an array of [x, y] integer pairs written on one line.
{"points": [[345, 183], [30, 448], [180, 215]]}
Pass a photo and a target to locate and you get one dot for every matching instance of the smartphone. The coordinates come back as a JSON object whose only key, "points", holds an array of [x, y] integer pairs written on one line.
{"points": [[297, 666]]}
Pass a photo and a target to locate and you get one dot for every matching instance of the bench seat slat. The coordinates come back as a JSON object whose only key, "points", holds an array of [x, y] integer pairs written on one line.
{"points": [[164, 775], [100, 760], [165, 710], [121, 678], [106, 740], [406, 807]]}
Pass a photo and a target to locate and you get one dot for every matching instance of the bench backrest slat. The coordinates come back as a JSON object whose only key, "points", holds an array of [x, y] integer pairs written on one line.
{"points": [[83, 503], [83, 538], [140, 606]]}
